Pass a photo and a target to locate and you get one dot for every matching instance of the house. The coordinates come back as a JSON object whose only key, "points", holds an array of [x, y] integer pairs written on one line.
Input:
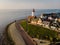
{"points": [[55, 25], [59, 29], [34, 21], [43, 16], [46, 24], [58, 34], [50, 21], [39, 21], [31, 18], [50, 18], [58, 19]]}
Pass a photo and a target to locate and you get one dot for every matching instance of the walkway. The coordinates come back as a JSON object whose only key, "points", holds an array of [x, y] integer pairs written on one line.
{"points": [[16, 37], [25, 36]]}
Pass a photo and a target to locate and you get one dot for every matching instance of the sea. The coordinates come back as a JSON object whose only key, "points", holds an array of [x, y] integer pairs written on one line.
{"points": [[9, 15]]}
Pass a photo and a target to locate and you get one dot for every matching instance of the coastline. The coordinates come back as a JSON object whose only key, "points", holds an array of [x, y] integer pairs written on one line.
{"points": [[15, 25], [7, 40]]}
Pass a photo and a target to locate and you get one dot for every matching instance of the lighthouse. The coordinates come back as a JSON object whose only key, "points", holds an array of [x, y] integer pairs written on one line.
{"points": [[33, 12]]}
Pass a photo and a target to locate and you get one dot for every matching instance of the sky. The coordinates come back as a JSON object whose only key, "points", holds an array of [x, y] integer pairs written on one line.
{"points": [[29, 4]]}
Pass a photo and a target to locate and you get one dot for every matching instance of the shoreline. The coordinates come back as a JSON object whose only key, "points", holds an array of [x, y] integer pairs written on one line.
{"points": [[12, 23], [7, 39]]}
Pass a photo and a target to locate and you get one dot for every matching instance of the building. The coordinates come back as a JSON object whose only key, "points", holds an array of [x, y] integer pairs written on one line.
{"points": [[58, 19], [33, 12], [50, 18], [46, 24], [50, 21], [39, 21], [30, 18], [41, 16], [55, 25], [34, 21], [59, 29]]}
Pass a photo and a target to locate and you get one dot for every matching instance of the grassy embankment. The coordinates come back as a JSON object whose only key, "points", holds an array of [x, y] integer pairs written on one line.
{"points": [[9, 39], [39, 32]]}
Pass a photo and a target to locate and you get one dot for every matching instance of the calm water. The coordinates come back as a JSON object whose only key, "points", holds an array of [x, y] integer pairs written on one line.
{"points": [[8, 16]]}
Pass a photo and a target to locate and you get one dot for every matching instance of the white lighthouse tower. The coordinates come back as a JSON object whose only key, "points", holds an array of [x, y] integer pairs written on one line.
{"points": [[33, 12]]}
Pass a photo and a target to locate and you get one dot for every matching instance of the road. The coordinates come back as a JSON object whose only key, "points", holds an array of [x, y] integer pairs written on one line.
{"points": [[25, 36], [19, 36], [16, 37]]}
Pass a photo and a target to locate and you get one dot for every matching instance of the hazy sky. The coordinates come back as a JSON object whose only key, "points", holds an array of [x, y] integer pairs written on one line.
{"points": [[29, 4]]}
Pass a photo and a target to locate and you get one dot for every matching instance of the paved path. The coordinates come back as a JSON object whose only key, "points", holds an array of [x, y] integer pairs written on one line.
{"points": [[16, 37], [26, 37]]}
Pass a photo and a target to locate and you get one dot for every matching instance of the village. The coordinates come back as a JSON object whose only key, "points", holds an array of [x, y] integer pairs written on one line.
{"points": [[50, 21]]}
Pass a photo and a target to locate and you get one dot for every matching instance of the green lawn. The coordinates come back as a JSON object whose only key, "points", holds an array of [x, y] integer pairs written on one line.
{"points": [[38, 31]]}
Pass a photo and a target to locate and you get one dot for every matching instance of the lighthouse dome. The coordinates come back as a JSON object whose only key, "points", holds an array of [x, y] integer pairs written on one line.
{"points": [[33, 10]]}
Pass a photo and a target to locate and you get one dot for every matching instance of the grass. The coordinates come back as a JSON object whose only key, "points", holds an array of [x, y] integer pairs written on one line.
{"points": [[38, 31]]}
